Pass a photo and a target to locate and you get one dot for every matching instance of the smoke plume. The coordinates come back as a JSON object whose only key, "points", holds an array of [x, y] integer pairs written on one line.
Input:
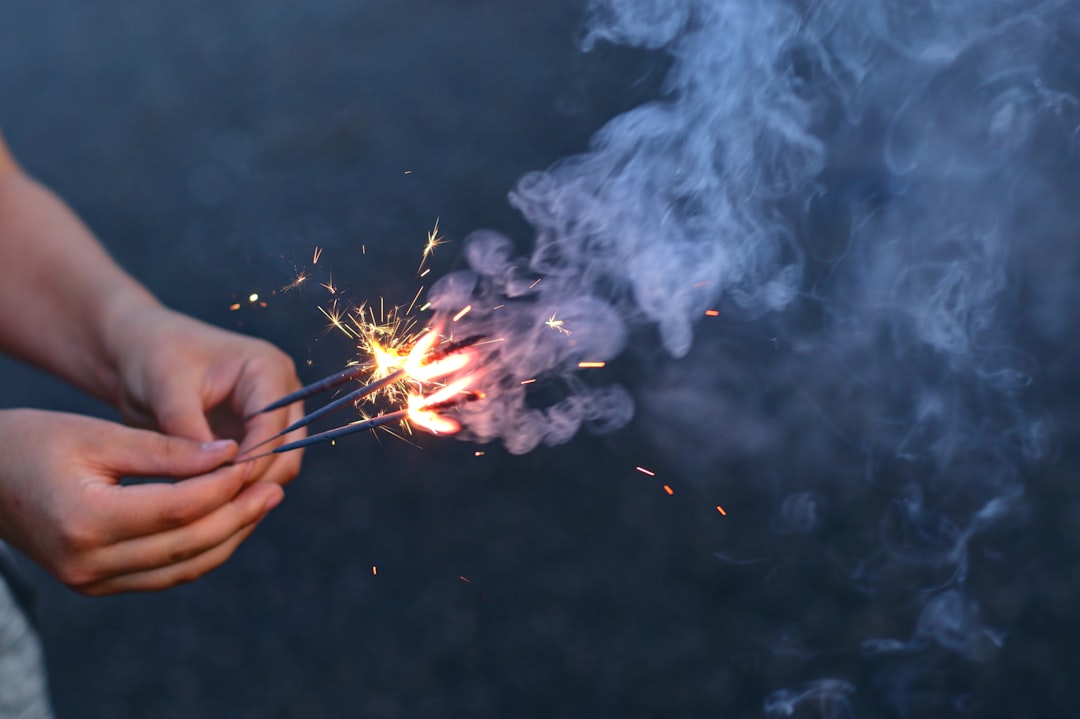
{"points": [[865, 192]]}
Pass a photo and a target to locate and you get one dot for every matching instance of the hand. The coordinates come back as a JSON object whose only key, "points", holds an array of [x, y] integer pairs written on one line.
{"points": [[189, 379], [61, 502]]}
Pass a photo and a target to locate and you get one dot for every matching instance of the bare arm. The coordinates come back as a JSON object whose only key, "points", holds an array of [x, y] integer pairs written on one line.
{"points": [[61, 292], [67, 307]]}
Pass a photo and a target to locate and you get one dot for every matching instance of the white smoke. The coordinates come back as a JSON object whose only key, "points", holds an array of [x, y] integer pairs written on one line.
{"points": [[853, 184]]}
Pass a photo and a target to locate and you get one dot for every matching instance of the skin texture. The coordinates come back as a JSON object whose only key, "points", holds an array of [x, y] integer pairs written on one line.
{"points": [[182, 387]]}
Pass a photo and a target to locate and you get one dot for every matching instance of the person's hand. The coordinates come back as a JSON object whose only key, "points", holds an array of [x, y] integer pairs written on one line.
{"points": [[191, 380], [62, 504]]}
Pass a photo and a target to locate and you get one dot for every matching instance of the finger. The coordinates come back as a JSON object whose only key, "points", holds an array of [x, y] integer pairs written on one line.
{"points": [[130, 511], [262, 381], [179, 545], [181, 414], [172, 575], [281, 468], [127, 452]]}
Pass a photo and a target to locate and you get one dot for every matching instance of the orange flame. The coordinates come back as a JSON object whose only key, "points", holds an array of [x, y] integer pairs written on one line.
{"points": [[423, 409], [422, 414], [420, 367]]}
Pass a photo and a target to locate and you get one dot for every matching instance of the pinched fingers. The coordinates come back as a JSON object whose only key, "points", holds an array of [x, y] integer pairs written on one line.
{"points": [[124, 512], [172, 557], [260, 390]]}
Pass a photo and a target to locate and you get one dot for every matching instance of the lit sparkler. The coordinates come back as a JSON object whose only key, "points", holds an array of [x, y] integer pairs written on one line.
{"points": [[422, 411], [418, 370], [424, 364]]}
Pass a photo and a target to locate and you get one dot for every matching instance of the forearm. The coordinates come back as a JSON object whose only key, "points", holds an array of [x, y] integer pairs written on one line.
{"points": [[61, 296]]}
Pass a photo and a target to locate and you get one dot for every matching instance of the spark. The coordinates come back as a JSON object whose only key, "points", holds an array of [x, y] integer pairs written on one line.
{"points": [[556, 325], [253, 297], [315, 257], [645, 471], [464, 311], [329, 285], [712, 313], [528, 381], [478, 453], [464, 579], [387, 337], [498, 307], [301, 278], [669, 490], [434, 239], [534, 284], [374, 570], [591, 365], [234, 307], [721, 510], [426, 307], [414, 299], [335, 316]]}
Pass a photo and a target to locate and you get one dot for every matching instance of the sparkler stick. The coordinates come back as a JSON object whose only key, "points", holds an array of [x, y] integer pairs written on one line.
{"points": [[337, 404], [327, 383], [330, 434]]}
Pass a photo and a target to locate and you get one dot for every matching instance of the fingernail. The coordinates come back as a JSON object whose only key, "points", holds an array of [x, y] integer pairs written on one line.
{"points": [[216, 446]]}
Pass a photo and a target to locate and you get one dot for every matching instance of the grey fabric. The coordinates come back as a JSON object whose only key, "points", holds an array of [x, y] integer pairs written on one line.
{"points": [[23, 691]]}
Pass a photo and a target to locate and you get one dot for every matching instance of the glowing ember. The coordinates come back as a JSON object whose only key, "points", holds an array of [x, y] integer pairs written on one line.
{"points": [[646, 471], [434, 239], [557, 325], [464, 311], [591, 365], [301, 278], [668, 489], [712, 313], [721, 510]]}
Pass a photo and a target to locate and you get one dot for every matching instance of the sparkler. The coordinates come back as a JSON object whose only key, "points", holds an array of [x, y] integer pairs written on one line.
{"points": [[422, 410], [424, 363], [404, 366]]}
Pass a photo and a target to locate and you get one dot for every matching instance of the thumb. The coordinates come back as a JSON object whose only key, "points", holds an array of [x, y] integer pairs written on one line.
{"points": [[143, 453], [180, 414]]}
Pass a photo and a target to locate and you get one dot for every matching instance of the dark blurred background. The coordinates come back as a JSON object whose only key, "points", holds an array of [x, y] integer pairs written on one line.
{"points": [[212, 147]]}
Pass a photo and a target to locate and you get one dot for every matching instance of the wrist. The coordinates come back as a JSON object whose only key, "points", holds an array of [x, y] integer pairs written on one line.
{"points": [[124, 321]]}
